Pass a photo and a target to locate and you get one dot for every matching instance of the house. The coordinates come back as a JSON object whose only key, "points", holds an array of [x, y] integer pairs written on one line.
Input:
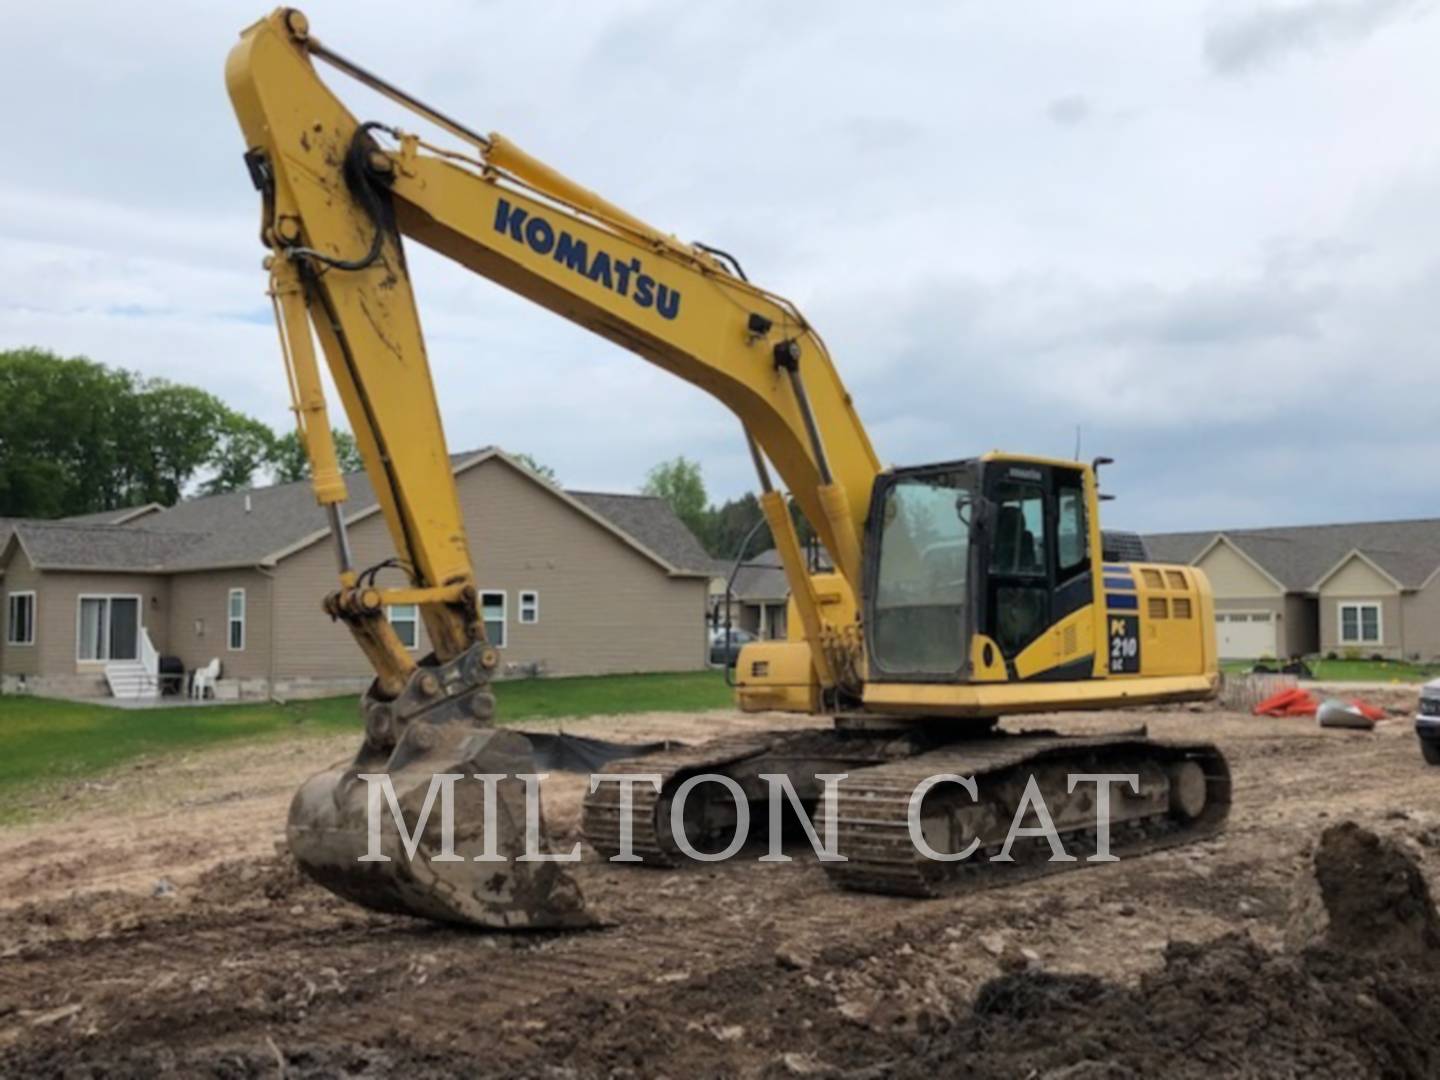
{"points": [[571, 583], [1363, 589], [759, 595]]}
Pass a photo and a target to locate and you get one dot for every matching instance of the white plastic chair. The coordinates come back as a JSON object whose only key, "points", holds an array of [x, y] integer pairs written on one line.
{"points": [[204, 679]]}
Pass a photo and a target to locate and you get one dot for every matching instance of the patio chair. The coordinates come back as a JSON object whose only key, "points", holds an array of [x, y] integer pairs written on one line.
{"points": [[204, 679]]}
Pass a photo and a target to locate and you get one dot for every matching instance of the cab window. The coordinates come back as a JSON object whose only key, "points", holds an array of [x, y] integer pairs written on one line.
{"points": [[1019, 545], [1072, 535]]}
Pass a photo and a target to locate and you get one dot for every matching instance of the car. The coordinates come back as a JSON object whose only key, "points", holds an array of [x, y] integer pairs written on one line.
{"points": [[1427, 722], [723, 653]]}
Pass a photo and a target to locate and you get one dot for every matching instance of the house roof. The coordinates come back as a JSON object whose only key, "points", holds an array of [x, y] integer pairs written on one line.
{"points": [[115, 517], [1301, 557], [57, 545], [649, 519], [264, 525], [760, 578]]}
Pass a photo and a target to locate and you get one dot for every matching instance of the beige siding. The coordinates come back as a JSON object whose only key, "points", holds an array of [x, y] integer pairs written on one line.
{"points": [[21, 659], [1273, 604], [57, 612], [307, 642], [199, 621], [604, 607], [1421, 612], [1358, 581], [1233, 575]]}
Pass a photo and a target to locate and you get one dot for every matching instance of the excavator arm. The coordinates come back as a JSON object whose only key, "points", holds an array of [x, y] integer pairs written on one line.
{"points": [[338, 195]]}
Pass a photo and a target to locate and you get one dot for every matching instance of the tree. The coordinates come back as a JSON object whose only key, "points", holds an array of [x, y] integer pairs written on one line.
{"points": [[182, 425], [247, 447], [544, 472], [77, 437], [289, 463], [729, 523], [680, 484]]}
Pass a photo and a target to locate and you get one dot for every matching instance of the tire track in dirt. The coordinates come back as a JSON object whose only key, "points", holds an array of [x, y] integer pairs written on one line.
{"points": [[246, 953]]}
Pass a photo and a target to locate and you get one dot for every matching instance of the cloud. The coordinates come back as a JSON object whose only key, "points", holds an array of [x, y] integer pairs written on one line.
{"points": [[1242, 43], [1072, 110], [1231, 291]]}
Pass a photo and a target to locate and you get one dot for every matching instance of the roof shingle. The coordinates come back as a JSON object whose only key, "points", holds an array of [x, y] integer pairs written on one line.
{"points": [[1299, 556], [58, 545], [245, 528], [649, 520]]}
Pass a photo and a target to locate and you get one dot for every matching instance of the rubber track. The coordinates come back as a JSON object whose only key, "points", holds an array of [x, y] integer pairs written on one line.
{"points": [[872, 813], [600, 821], [874, 802]]}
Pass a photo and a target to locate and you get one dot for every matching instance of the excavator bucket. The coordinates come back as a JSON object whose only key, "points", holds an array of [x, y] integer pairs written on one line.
{"points": [[343, 831]]}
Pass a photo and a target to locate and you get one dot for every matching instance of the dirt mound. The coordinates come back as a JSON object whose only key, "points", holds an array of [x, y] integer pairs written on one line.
{"points": [[1364, 1000], [268, 881], [148, 959], [1366, 895], [1226, 1007]]}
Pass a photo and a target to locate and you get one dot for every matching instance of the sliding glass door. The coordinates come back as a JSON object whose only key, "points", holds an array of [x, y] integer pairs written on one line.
{"points": [[109, 628]]}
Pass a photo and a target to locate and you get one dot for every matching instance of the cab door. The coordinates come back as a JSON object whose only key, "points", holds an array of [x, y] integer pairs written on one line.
{"points": [[1018, 580], [1037, 557]]}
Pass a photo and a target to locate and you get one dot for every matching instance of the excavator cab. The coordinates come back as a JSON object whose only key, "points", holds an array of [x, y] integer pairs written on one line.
{"points": [[971, 562]]}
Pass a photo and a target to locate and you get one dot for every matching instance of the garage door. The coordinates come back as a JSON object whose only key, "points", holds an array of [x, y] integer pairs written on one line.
{"points": [[1245, 635]]}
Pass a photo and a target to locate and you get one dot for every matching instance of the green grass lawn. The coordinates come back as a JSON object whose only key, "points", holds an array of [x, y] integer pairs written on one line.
{"points": [[43, 740], [1400, 671]]}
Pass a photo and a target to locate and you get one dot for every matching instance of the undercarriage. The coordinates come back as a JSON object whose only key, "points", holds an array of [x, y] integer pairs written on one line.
{"points": [[993, 808]]}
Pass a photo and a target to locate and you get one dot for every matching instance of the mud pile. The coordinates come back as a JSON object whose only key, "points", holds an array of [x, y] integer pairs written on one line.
{"points": [[1365, 895], [1360, 998], [253, 972]]}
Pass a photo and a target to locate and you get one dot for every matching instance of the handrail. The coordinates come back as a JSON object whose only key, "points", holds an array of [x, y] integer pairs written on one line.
{"points": [[149, 658]]}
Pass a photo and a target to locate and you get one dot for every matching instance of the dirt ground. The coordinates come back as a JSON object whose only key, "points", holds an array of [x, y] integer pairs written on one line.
{"points": [[157, 927]]}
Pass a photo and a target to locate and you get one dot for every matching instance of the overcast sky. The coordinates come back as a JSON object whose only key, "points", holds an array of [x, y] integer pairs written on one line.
{"points": [[1207, 233]]}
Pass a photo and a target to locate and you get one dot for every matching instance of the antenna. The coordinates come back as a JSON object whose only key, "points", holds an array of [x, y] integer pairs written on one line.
{"points": [[1077, 442]]}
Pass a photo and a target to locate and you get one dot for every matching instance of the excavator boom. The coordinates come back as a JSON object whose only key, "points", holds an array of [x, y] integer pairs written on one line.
{"points": [[337, 197]]}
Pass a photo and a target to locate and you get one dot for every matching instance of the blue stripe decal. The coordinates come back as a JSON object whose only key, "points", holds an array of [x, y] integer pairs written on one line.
{"points": [[1119, 582], [1122, 601], [1117, 568]]}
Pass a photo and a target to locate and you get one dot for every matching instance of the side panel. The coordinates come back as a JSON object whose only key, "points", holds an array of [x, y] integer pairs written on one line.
{"points": [[60, 606], [21, 577], [199, 623], [1158, 621], [604, 607]]}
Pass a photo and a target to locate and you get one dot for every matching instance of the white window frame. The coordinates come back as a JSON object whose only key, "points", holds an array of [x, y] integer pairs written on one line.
{"points": [[80, 599], [231, 620], [10, 599], [533, 597], [1359, 606], [413, 619], [504, 614]]}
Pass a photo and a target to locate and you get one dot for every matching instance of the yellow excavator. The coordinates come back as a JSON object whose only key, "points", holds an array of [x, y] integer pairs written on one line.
{"points": [[960, 592]]}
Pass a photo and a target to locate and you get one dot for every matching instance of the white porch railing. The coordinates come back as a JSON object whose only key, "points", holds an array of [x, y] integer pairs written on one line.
{"points": [[138, 678]]}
